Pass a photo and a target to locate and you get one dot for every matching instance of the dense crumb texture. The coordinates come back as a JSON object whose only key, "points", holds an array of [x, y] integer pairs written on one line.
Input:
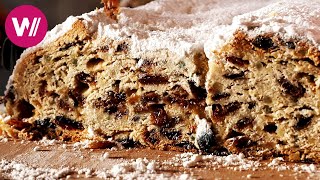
{"points": [[263, 90], [151, 100], [140, 80]]}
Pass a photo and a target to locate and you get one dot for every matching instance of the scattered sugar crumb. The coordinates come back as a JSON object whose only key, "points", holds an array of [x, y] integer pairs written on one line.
{"points": [[37, 148], [105, 156], [64, 146]]}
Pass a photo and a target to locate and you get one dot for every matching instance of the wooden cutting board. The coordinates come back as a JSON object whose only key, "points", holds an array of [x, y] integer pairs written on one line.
{"points": [[57, 156]]}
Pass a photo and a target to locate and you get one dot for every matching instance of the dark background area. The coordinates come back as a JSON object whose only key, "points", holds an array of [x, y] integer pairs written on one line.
{"points": [[56, 12]]}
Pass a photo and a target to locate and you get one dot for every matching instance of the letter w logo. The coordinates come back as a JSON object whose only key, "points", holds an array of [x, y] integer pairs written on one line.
{"points": [[25, 25]]}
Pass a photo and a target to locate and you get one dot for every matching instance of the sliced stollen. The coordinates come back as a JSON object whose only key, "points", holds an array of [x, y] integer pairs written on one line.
{"points": [[139, 80], [263, 81]]}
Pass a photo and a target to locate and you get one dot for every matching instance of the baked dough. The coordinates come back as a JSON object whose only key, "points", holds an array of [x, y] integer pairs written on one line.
{"points": [[263, 82]]}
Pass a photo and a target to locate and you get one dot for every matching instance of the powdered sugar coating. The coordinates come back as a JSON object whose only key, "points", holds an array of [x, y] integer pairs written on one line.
{"points": [[291, 20], [178, 25]]}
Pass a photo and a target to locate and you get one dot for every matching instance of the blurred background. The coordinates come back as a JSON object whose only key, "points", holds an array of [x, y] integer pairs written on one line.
{"points": [[56, 12]]}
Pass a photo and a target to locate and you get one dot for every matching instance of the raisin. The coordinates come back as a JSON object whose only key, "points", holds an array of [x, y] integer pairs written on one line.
{"points": [[177, 95], [128, 143], [113, 103], [221, 151], [221, 111], [270, 128], [64, 105], [251, 105], [171, 134], [234, 76], [84, 78], [290, 89], [94, 62], [152, 136], [105, 48], [159, 116], [264, 43], [152, 79], [302, 122], [185, 145], [220, 96], [46, 123], [218, 110], [206, 141], [68, 124], [233, 106], [237, 61], [233, 134], [291, 45], [197, 91], [18, 124], [243, 123], [150, 97], [241, 142], [135, 119], [25, 109], [122, 47], [76, 96]]}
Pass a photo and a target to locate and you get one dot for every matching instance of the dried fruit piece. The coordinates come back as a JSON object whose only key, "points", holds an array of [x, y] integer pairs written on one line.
{"points": [[113, 103], [270, 128], [243, 123], [237, 61], [18, 124], [234, 76], [128, 143], [152, 79], [150, 97], [220, 111], [159, 116], [290, 89], [302, 122], [219, 96], [69, 124], [25, 109], [197, 91], [264, 43]]}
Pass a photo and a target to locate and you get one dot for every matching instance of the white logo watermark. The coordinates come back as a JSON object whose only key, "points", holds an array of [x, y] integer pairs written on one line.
{"points": [[25, 25]]}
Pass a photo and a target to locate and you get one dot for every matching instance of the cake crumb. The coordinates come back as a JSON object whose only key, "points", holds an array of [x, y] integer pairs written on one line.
{"points": [[105, 156], [37, 148]]}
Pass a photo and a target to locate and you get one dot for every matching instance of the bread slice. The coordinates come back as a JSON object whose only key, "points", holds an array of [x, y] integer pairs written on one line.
{"points": [[139, 80], [263, 82]]}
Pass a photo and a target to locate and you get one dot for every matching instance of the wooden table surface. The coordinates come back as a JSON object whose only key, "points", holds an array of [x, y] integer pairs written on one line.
{"points": [[58, 155]]}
